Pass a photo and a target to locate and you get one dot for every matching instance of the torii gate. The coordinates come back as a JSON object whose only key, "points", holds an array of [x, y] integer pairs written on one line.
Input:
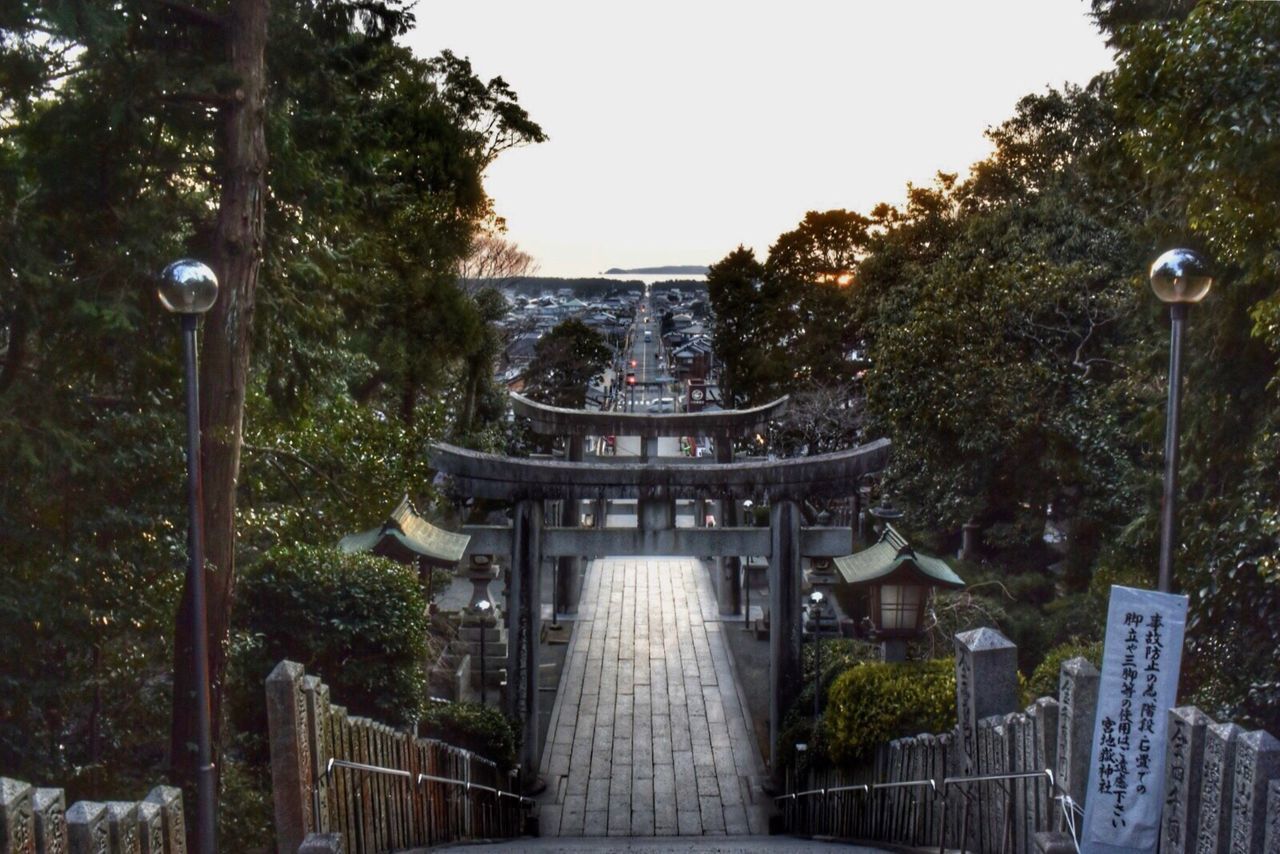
{"points": [[656, 486]]}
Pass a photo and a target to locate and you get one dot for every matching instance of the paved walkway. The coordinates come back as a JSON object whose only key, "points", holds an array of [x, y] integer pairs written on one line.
{"points": [[649, 735]]}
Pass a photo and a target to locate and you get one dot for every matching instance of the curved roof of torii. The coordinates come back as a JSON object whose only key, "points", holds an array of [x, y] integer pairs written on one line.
{"points": [[558, 421], [511, 478]]}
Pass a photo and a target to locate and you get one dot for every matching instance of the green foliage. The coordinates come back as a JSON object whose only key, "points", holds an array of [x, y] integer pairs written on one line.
{"points": [[564, 361], [874, 702], [1044, 680], [356, 621], [786, 323], [246, 819], [480, 729], [109, 169]]}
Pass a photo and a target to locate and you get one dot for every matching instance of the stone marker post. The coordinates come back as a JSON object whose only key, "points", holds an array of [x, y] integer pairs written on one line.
{"points": [[1077, 705], [1271, 844], [1184, 755], [986, 685], [87, 828], [1218, 773], [150, 828], [17, 816], [1257, 763], [122, 827], [169, 799], [290, 756], [321, 843], [51, 821], [1044, 718]]}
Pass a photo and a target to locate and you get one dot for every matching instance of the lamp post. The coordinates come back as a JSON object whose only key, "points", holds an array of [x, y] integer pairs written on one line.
{"points": [[815, 603], [189, 289], [482, 608], [1179, 277]]}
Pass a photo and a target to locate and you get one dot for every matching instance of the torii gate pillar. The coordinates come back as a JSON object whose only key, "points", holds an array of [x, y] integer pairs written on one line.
{"points": [[524, 612], [784, 614]]}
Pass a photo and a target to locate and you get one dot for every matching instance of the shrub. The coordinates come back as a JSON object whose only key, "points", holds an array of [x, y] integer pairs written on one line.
{"points": [[874, 702], [471, 726], [1044, 680], [356, 621]]}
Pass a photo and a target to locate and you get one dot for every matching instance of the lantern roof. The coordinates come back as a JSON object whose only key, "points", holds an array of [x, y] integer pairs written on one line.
{"points": [[406, 537], [893, 558]]}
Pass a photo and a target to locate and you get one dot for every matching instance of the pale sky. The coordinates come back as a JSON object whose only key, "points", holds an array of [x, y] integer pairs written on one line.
{"points": [[680, 129]]}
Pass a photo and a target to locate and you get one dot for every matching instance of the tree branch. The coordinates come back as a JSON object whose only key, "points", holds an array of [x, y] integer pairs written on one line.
{"points": [[307, 464], [192, 15]]}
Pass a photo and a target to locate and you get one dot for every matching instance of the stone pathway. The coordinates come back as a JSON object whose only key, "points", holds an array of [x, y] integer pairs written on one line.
{"points": [[649, 735]]}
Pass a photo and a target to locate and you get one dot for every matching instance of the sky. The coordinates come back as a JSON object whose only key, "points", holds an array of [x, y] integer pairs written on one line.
{"points": [[679, 130]]}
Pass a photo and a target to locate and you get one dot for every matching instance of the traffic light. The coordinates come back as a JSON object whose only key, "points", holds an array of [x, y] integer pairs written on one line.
{"points": [[633, 363], [631, 378]]}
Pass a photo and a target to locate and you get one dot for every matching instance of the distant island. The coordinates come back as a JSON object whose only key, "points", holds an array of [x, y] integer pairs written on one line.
{"points": [[671, 270]]}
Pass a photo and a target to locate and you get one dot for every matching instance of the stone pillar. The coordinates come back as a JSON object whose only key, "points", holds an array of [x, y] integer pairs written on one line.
{"points": [[290, 756], [784, 617], [321, 843], [986, 685], [122, 827], [1271, 843], [169, 799], [1044, 718], [524, 612], [569, 567], [730, 576], [1077, 705], [318, 705], [648, 448], [50, 806], [87, 828], [150, 828], [1257, 763], [655, 514], [1184, 754], [17, 816], [969, 534], [1215, 789], [602, 513]]}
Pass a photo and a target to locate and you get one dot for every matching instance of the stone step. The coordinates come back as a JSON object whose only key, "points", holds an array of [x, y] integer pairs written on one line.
{"points": [[494, 649], [665, 845], [472, 633]]}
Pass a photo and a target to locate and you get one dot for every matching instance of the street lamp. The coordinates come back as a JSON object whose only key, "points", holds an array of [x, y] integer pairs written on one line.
{"points": [[189, 289], [482, 608], [1179, 277], [815, 614]]}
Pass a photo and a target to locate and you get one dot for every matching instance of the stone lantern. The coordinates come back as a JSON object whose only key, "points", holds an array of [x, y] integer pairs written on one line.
{"points": [[899, 580]]}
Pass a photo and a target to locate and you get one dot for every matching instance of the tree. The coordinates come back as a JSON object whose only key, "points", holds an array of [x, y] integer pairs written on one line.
{"points": [[735, 286], [126, 129], [564, 361]]}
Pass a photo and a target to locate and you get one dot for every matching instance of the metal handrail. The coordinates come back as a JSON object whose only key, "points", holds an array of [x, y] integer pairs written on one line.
{"points": [[421, 778], [926, 781], [360, 766], [472, 785], [991, 778]]}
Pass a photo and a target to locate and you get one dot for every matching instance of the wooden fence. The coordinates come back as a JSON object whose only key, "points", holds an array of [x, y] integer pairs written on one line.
{"points": [[343, 783]]}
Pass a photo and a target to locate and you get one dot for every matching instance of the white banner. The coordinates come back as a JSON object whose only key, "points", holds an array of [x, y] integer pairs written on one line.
{"points": [[1139, 685]]}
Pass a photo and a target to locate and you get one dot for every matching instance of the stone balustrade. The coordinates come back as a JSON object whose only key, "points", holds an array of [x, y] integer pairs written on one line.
{"points": [[38, 821], [1221, 786]]}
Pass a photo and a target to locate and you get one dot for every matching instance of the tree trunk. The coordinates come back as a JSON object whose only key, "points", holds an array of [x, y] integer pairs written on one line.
{"points": [[224, 369]]}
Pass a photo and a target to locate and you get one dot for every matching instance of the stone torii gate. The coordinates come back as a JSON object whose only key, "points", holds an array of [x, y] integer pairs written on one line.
{"points": [[575, 425], [529, 483]]}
